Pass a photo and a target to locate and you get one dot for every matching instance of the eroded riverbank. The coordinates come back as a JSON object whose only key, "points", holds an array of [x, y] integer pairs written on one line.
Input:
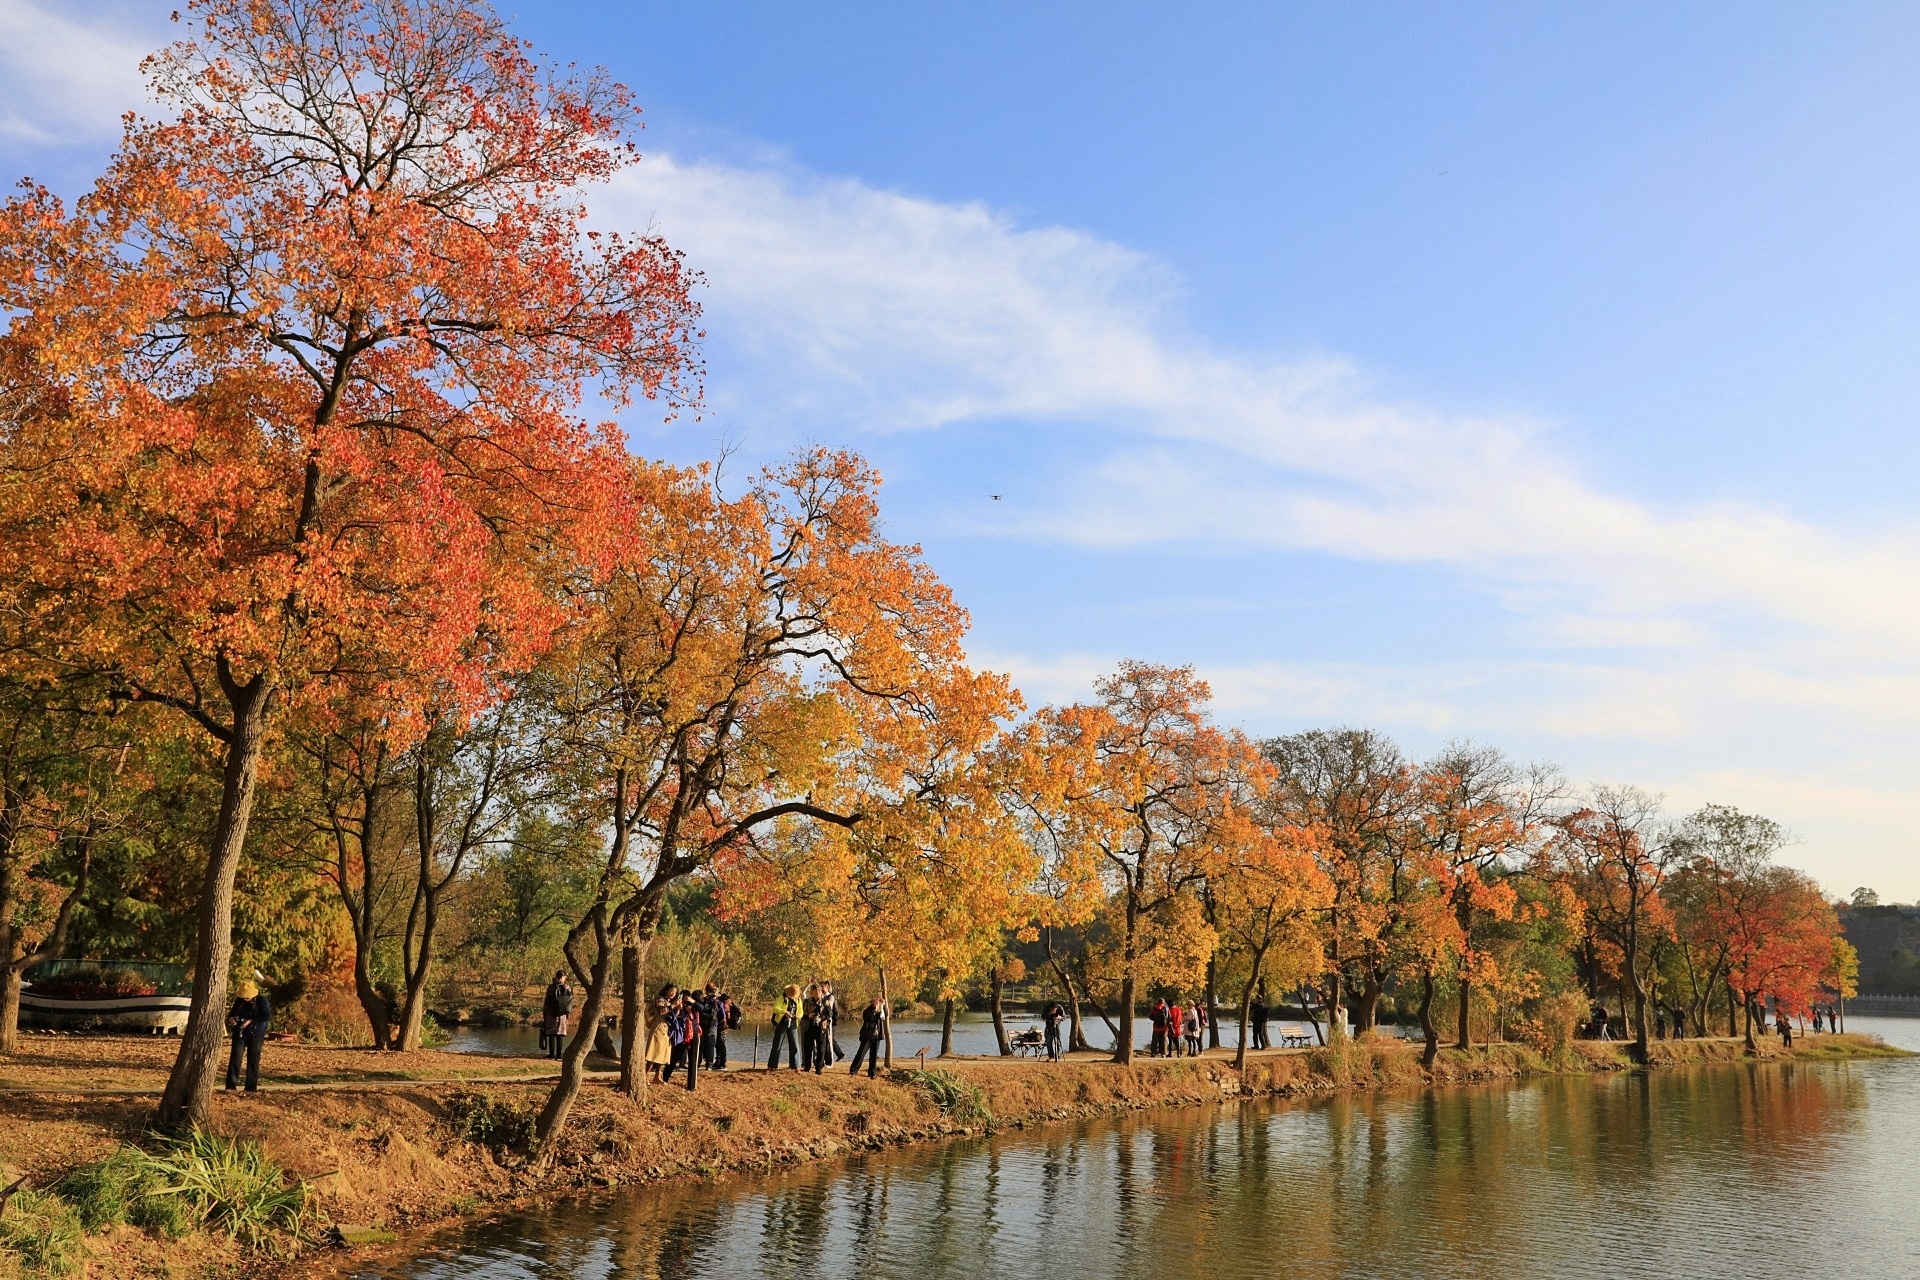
{"points": [[408, 1154]]}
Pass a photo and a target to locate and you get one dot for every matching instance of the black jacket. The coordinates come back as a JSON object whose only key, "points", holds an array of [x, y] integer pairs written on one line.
{"points": [[250, 1018]]}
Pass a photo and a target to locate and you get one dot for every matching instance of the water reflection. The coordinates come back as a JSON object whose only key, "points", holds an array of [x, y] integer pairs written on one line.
{"points": [[1797, 1170]]}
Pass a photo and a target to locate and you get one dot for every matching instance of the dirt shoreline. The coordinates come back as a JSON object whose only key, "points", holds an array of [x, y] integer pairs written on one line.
{"points": [[393, 1145]]}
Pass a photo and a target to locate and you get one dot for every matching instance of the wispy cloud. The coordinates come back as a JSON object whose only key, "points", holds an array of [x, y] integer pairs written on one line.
{"points": [[872, 309], [68, 71]]}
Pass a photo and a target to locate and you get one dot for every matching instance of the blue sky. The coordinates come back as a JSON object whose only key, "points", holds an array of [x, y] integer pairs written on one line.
{"points": [[1539, 374]]}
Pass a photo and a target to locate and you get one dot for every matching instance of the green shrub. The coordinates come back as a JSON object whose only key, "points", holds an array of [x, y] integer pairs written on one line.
{"points": [[232, 1187], [102, 1194], [42, 1232], [490, 1121], [952, 1095]]}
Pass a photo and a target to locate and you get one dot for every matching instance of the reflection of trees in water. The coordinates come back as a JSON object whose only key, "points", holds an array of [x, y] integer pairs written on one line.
{"points": [[1553, 1178]]}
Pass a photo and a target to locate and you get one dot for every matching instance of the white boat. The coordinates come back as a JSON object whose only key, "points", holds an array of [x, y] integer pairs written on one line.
{"points": [[106, 995], [158, 1015]]}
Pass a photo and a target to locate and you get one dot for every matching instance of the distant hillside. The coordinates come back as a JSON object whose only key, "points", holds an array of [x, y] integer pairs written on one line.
{"points": [[1888, 940]]}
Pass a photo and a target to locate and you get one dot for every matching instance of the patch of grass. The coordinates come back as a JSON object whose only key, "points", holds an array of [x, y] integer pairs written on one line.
{"points": [[232, 1187], [42, 1232], [953, 1096], [491, 1121], [103, 1193]]}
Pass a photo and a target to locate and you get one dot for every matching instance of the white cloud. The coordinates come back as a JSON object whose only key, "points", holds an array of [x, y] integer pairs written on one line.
{"points": [[874, 310], [1714, 652], [67, 72]]}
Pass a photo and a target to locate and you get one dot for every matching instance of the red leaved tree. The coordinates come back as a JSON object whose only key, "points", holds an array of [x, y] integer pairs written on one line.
{"points": [[309, 356]]}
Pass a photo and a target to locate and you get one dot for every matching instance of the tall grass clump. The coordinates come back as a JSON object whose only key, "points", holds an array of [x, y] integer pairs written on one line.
{"points": [[40, 1236], [232, 1187], [952, 1095]]}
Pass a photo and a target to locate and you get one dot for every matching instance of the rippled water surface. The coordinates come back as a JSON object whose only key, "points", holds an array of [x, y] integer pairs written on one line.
{"points": [[1805, 1170]]}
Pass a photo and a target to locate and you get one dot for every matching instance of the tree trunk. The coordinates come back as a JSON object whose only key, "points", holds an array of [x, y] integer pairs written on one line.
{"points": [[1733, 1022], [1366, 1014], [1432, 1051], [573, 1064], [188, 1100], [9, 1010], [1213, 1008], [1306, 1007], [372, 1003], [999, 1015], [886, 1027], [1076, 1032], [1465, 1038], [1246, 1009], [633, 1028], [1747, 1003], [418, 961], [946, 1029], [1123, 1050]]}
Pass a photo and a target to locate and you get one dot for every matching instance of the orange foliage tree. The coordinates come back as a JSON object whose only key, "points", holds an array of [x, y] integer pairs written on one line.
{"points": [[1780, 943], [310, 352], [1143, 787], [1609, 856], [1358, 790], [1270, 898], [1480, 818], [756, 665]]}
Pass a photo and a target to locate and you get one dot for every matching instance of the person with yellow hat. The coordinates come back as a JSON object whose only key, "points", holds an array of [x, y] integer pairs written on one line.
{"points": [[248, 1023]]}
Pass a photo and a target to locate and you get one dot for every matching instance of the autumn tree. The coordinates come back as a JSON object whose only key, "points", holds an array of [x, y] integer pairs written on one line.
{"points": [[1720, 857], [310, 352], [1356, 787], [1610, 855], [1145, 783], [1270, 898], [1480, 817], [763, 660], [1780, 945]]}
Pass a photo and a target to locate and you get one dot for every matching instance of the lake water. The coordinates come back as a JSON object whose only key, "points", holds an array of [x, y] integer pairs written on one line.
{"points": [[1798, 1170]]}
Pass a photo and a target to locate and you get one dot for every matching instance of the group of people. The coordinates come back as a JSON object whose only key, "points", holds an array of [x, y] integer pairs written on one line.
{"points": [[806, 1025], [1178, 1029], [687, 1031]]}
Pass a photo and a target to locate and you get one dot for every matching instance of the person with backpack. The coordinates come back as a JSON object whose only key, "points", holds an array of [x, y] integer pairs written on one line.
{"points": [[873, 1038], [555, 1008], [786, 1025], [1196, 1022]]}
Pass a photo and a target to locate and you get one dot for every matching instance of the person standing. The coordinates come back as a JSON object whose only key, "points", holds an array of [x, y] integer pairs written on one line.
{"points": [[1193, 1030], [248, 1022], [1052, 1016], [786, 1022], [1176, 1027], [713, 1029], [873, 1038], [810, 1026], [830, 1005], [685, 1025], [1157, 1016], [1257, 1022], [660, 1034], [555, 1009]]}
